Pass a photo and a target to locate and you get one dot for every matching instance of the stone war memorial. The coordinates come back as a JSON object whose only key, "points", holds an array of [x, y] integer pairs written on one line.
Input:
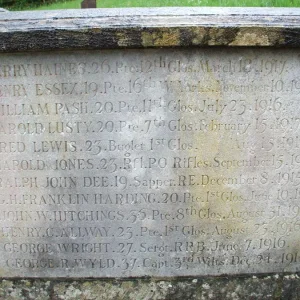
{"points": [[150, 154]]}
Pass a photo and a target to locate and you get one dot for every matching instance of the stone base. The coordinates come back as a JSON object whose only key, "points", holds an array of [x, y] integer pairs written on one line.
{"points": [[215, 288]]}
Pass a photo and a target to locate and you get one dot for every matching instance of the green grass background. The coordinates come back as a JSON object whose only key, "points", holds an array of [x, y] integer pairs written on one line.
{"points": [[160, 3]]}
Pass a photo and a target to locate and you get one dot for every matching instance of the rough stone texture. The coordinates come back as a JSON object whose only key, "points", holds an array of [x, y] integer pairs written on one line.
{"points": [[232, 288], [141, 28]]}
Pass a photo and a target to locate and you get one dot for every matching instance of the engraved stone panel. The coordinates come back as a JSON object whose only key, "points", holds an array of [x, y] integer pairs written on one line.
{"points": [[149, 163]]}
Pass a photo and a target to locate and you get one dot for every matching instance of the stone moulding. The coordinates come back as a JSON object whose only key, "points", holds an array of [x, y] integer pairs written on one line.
{"points": [[143, 28]]}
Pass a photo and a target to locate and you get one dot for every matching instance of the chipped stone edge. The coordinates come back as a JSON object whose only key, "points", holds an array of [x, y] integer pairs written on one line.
{"points": [[148, 28]]}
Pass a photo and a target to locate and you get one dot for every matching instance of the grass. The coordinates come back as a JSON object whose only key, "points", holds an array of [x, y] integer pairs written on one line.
{"points": [[160, 3]]}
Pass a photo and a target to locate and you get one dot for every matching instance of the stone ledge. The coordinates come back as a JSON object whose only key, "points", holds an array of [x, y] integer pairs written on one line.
{"points": [[143, 28]]}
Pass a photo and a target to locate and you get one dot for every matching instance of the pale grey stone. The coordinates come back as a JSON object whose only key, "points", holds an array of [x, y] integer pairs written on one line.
{"points": [[149, 163]]}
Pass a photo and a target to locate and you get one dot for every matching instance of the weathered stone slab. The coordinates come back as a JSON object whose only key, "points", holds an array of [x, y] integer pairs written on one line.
{"points": [[156, 162], [153, 27]]}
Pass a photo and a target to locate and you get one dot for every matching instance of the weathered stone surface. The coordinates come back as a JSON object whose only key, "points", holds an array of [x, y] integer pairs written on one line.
{"points": [[142, 28], [25, 289], [149, 163], [276, 287], [138, 28]]}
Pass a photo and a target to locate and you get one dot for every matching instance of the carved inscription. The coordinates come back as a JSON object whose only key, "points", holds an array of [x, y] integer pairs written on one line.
{"points": [[149, 163]]}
